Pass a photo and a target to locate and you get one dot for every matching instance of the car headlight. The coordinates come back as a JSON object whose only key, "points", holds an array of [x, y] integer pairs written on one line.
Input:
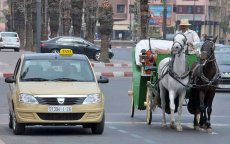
{"points": [[92, 99], [27, 99]]}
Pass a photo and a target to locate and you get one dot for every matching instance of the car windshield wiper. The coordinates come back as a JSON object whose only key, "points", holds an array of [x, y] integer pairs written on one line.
{"points": [[35, 79], [64, 79]]}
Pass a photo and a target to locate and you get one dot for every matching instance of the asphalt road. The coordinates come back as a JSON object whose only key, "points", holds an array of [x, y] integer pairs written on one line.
{"points": [[120, 127]]}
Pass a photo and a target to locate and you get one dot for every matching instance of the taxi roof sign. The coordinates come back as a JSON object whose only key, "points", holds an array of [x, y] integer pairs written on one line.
{"points": [[66, 52]]}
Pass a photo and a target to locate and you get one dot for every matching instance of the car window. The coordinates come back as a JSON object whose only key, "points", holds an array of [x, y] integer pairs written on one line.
{"points": [[222, 57], [9, 35], [17, 67], [65, 40], [78, 70]]}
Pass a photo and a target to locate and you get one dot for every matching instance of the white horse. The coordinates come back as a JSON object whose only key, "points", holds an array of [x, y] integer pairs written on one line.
{"points": [[173, 72]]}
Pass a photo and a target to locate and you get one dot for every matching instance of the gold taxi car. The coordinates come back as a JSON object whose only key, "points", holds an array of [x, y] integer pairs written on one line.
{"points": [[54, 89]]}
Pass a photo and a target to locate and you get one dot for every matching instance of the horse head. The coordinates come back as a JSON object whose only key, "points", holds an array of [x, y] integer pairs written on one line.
{"points": [[207, 50], [179, 43]]}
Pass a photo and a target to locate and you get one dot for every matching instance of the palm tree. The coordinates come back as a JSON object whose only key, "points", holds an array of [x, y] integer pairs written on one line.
{"points": [[144, 18], [54, 12], [91, 7], [19, 20], [65, 16], [29, 29], [76, 14], [106, 27]]}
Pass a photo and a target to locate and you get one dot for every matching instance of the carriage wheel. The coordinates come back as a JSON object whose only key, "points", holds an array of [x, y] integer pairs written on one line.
{"points": [[132, 107], [148, 107]]}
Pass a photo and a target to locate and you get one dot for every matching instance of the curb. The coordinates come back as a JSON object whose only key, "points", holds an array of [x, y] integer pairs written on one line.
{"points": [[106, 74], [114, 74], [110, 65]]}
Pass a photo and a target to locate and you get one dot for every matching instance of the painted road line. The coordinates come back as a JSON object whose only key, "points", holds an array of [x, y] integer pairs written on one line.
{"points": [[123, 131], [149, 141], [158, 123], [136, 136], [4, 64], [143, 114], [1, 142], [112, 127]]}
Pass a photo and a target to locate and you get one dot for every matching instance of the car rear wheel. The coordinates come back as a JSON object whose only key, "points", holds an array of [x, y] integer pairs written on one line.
{"points": [[97, 56], [18, 128], [54, 51], [16, 50], [10, 120], [98, 128]]}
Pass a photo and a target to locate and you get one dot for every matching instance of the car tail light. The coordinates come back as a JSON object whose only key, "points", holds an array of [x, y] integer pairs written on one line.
{"points": [[17, 39], [42, 45]]}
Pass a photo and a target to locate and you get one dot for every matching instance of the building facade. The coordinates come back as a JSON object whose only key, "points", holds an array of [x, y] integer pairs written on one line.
{"points": [[122, 19]]}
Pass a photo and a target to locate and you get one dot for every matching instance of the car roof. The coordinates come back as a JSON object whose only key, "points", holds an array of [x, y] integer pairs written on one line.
{"points": [[40, 56]]}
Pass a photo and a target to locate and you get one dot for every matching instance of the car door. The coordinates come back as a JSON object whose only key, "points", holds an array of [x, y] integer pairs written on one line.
{"points": [[80, 46], [65, 43], [13, 86]]}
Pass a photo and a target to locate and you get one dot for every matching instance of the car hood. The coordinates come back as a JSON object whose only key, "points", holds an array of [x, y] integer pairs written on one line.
{"points": [[224, 70], [59, 88]]}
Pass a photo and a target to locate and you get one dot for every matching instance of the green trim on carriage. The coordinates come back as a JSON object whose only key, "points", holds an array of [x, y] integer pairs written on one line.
{"points": [[139, 84]]}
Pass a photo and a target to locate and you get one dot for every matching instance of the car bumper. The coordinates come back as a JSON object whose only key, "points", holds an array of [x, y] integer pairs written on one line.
{"points": [[39, 114], [223, 88], [9, 46]]}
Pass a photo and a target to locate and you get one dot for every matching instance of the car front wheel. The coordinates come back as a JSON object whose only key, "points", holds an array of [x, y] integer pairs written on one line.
{"points": [[98, 128], [18, 128], [97, 56]]}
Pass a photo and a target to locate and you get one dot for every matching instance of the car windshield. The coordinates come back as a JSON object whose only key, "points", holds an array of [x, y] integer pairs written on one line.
{"points": [[56, 70], [9, 35], [222, 57]]}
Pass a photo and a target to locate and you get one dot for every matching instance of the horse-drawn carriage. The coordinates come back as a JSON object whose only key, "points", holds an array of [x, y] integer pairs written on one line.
{"points": [[149, 72]]}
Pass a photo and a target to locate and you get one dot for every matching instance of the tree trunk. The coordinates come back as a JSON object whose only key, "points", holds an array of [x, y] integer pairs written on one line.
{"points": [[19, 20], [54, 12], [144, 18], [91, 7], [106, 27], [65, 17], [29, 35], [44, 28], [104, 57], [76, 14]]}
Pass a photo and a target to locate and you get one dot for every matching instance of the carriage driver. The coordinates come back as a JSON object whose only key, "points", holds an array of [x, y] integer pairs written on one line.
{"points": [[191, 35]]}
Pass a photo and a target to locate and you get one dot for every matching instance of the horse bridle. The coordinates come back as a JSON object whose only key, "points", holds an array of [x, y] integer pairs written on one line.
{"points": [[205, 52], [181, 45]]}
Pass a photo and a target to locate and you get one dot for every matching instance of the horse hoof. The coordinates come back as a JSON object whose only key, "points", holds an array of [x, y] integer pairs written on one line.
{"points": [[179, 128], [172, 125], [209, 130], [163, 125], [197, 128]]}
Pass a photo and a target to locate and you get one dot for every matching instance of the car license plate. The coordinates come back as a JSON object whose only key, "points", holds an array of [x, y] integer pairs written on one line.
{"points": [[60, 109], [224, 86]]}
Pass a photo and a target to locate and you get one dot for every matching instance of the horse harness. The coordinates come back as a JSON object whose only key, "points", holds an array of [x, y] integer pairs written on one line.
{"points": [[199, 67]]}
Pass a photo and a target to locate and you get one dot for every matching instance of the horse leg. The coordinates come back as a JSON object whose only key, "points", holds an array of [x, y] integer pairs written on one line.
{"points": [[202, 109], [181, 100], [209, 111], [172, 107], [162, 96]]}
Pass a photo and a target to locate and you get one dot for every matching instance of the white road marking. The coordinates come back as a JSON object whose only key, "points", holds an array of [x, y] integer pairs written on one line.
{"points": [[159, 123], [1, 142], [112, 127], [136, 136], [217, 116], [123, 131], [149, 141]]}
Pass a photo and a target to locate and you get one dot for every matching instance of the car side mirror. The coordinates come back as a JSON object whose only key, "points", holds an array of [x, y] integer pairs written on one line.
{"points": [[103, 79], [10, 79]]}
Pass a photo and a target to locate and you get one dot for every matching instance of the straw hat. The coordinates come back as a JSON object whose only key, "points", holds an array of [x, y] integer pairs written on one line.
{"points": [[184, 22]]}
